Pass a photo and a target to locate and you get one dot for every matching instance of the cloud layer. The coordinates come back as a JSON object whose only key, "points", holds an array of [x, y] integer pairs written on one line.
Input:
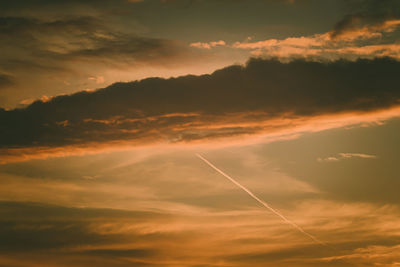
{"points": [[351, 40], [49, 55], [368, 31], [261, 97], [170, 208]]}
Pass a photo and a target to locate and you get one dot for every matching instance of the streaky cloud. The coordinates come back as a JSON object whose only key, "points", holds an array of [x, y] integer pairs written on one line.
{"points": [[341, 156]]}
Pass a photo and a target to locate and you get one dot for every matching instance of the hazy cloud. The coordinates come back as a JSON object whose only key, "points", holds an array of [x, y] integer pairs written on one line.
{"points": [[208, 45], [5, 80], [341, 156], [152, 202], [357, 155], [56, 55], [60, 236], [78, 39]]}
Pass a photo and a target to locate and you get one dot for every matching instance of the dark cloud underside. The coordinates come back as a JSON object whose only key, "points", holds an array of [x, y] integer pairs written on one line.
{"points": [[37, 228], [174, 108], [366, 12]]}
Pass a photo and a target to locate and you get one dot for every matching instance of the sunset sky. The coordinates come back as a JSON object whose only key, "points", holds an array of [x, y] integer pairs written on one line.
{"points": [[199, 133]]}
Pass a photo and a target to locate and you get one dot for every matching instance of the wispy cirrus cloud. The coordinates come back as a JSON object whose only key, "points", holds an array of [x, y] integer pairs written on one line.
{"points": [[357, 155], [342, 156], [82, 39], [133, 213], [87, 235], [208, 45]]}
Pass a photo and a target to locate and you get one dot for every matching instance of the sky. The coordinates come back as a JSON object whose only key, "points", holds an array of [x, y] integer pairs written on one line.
{"points": [[199, 133]]}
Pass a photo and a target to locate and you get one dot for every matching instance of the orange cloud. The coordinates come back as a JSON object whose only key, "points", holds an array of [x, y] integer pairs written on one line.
{"points": [[330, 45], [208, 45], [346, 155], [240, 130]]}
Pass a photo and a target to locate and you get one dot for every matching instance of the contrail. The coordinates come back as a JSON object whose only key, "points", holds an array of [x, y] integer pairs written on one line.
{"points": [[261, 201]]}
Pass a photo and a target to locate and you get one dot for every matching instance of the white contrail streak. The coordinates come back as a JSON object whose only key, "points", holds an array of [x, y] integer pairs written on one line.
{"points": [[261, 201]]}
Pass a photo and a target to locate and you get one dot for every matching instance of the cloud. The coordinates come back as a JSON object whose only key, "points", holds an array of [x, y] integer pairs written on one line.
{"points": [[369, 30], [378, 255], [79, 39], [341, 156], [350, 43], [366, 13], [98, 79], [55, 226], [72, 235], [205, 221], [65, 236], [6, 81], [357, 155], [328, 159], [262, 97], [208, 45], [353, 29], [57, 55]]}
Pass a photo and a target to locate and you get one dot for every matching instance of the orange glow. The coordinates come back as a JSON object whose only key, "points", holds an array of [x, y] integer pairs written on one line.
{"points": [[215, 132]]}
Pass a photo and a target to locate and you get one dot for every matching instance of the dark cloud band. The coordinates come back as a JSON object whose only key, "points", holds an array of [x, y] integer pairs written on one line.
{"points": [[203, 107]]}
